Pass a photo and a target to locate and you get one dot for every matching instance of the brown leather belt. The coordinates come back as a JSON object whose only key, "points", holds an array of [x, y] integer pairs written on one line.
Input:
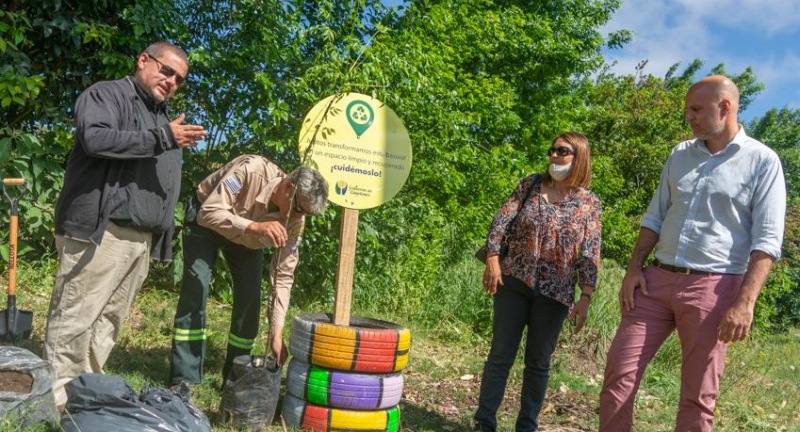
{"points": [[681, 270]]}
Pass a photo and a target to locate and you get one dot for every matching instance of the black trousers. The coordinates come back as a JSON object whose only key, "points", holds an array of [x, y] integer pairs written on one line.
{"points": [[200, 247], [515, 307]]}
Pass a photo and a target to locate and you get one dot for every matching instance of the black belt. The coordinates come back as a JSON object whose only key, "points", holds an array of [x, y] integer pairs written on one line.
{"points": [[682, 270]]}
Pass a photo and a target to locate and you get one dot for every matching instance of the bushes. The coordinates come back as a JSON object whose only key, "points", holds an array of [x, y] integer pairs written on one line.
{"points": [[778, 307]]}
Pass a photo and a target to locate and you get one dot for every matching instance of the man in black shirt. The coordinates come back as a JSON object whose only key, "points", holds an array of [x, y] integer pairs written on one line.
{"points": [[116, 208]]}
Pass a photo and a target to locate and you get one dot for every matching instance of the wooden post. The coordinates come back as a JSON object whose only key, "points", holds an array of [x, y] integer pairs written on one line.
{"points": [[344, 272]]}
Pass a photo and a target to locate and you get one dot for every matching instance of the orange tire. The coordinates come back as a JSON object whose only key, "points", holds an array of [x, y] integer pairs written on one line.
{"points": [[366, 345]]}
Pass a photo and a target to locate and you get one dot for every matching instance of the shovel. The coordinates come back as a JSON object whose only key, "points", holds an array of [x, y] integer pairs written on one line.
{"points": [[14, 324]]}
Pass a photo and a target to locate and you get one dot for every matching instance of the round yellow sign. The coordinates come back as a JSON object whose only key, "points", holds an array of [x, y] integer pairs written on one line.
{"points": [[361, 148]]}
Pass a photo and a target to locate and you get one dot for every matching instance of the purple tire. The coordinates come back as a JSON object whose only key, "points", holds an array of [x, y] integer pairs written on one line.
{"points": [[337, 389]]}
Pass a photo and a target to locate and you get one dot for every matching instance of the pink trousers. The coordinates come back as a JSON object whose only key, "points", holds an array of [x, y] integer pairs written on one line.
{"points": [[692, 304]]}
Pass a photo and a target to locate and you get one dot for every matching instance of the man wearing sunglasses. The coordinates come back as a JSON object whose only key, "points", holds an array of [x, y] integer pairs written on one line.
{"points": [[116, 208], [241, 209]]}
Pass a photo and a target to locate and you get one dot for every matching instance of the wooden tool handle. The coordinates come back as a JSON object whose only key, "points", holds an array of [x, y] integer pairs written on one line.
{"points": [[12, 257], [14, 181]]}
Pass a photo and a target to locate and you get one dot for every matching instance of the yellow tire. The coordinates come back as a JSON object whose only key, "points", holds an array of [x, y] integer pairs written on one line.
{"points": [[366, 345], [309, 417]]}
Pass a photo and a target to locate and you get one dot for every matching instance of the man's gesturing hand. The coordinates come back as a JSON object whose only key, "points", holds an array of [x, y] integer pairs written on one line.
{"points": [[273, 231], [186, 135]]}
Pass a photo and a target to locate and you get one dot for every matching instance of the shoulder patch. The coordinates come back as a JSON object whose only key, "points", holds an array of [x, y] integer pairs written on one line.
{"points": [[233, 183]]}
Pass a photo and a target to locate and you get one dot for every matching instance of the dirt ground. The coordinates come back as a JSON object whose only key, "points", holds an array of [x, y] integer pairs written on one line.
{"points": [[16, 382], [447, 404]]}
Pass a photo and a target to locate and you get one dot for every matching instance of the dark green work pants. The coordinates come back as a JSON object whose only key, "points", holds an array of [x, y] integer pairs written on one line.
{"points": [[200, 246]]}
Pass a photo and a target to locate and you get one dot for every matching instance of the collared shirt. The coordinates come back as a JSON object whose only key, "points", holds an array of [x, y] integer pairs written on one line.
{"points": [[237, 195], [551, 247], [711, 211]]}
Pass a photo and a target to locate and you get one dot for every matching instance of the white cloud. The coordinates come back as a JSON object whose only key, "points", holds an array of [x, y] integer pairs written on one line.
{"points": [[763, 34], [781, 80], [768, 16], [659, 36], [781, 68]]}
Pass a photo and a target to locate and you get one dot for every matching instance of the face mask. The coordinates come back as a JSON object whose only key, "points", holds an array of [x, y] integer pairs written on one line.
{"points": [[559, 172]]}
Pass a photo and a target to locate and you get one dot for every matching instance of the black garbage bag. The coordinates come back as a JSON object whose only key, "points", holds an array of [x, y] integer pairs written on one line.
{"points": [[176, 403], [250, 394], [96, 401], [35, 403]]}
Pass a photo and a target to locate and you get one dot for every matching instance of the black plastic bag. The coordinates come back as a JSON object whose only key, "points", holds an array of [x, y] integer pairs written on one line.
{"points": [[251, 392], [96, 401]]}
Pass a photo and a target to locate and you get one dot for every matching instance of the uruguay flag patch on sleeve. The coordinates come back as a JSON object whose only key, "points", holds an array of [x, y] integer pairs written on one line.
{"points": [[233, 183]]}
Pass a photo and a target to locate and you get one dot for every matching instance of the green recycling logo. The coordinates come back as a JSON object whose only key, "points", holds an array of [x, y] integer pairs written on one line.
{"points": [[360, 116]]}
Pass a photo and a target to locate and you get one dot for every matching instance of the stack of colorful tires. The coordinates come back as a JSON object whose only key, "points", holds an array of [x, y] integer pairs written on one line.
{"points": [[345, 377]]}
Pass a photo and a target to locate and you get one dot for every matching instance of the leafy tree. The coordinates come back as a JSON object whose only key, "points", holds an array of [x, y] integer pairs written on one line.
{"points": [[778, 306], [257, 68], [50, 50], [780, 129], [476, 83], [480, 84], [633, 122]]}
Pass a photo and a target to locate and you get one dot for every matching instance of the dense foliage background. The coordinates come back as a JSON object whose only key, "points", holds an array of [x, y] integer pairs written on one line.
{"points": [[482, 87]]}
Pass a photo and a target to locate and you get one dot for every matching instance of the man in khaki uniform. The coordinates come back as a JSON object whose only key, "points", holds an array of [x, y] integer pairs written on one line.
{"points": [[246, 206]]}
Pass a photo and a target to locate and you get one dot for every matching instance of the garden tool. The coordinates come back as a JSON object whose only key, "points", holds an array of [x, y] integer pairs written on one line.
{"points": [[14, 324]]}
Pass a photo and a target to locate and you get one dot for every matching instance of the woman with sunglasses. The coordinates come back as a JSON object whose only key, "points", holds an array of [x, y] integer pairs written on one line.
{"points": [[543, 241]]}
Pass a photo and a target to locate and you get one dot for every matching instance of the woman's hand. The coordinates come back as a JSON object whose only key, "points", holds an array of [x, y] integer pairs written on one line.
{"points": [[492, 275], [579, 313]]}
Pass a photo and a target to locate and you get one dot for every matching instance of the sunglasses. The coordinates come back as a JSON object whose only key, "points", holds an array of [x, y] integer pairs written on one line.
{"points": [[168, 71], [560, 151], [297, 208]]}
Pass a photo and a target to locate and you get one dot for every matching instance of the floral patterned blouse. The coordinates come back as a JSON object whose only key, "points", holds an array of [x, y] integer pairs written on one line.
{"points": [[553, 246]]}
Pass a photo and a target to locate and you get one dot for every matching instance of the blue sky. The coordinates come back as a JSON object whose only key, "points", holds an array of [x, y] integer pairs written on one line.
{"points": [[764, 34]]}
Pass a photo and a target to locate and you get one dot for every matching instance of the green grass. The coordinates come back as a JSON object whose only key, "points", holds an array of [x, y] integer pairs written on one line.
{"points": [[450, 330]]}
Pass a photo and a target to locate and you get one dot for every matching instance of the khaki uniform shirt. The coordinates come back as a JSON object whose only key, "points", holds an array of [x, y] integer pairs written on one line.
{"points": [[237, 195]]}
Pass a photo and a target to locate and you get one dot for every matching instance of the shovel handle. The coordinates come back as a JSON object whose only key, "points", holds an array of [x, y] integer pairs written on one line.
{"points": [[12, 256], [14, 181], [12, 236], [13, 199]]}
